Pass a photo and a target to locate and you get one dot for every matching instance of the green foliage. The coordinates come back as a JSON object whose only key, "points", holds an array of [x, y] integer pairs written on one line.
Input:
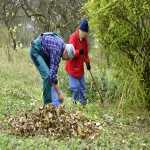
{"points": [[20, 88], [14, 84], [130, 86], [3, 33], [122, 27], [106, 87]]}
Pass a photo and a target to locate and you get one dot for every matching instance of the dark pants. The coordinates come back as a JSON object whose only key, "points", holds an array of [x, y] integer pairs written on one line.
{"points": [[41, 62]]}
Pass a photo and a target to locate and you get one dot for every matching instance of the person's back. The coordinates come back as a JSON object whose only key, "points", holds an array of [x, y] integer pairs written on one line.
{"points": [[46, 52]]}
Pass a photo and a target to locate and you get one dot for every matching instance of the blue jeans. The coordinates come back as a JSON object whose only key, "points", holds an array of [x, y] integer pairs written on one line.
{"points": [[77, 86], [41, 62]]}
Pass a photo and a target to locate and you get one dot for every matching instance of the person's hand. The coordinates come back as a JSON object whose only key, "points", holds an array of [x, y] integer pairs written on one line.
{"points": [[81, 52], [60, 98], [88, 66]]}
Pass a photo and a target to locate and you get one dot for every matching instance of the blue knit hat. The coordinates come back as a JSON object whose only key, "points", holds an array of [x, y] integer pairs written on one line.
{"points": [[84, 25]]}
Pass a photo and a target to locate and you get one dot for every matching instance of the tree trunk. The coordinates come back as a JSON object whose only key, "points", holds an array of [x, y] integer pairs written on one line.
{"points": [[13, 40]]}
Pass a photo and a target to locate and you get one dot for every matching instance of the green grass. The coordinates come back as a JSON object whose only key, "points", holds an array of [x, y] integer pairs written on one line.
{"points": [[21, 91]]}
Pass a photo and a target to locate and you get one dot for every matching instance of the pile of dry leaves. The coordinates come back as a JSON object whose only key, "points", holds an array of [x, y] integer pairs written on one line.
{"points": [[53, 121]]}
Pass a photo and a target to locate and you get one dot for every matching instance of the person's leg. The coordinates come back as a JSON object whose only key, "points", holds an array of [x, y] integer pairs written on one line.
{"points": [[82, 90], [43, 69], [74, 86]]}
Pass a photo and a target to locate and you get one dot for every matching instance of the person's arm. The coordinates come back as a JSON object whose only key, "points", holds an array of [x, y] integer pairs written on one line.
{"points": [[59, 93], [87, 59], [55, 56], [73, 40], [53, 76]]}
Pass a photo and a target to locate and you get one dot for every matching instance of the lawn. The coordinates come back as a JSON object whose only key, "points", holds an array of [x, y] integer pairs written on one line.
{"points": [[21, 93]]}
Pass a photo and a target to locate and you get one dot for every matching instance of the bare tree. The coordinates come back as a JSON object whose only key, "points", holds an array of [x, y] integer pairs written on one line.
{"points": [[32, 17], [8, 13], [60, 16]]}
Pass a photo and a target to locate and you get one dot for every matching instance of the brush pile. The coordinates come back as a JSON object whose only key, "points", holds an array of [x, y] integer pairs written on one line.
{"points": [[53, 121]]}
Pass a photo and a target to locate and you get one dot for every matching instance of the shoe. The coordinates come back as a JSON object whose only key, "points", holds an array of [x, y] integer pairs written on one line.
{"points": [[84, 105], [74, 102]]}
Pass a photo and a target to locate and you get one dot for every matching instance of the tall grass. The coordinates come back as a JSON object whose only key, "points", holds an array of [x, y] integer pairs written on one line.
{"points": [[121, 83], [130, 87], [21, 91], [19, 80]]}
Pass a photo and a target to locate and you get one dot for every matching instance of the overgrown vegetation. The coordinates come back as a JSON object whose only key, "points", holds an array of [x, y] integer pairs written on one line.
{"points": [[122, 28], [120, 66], [20, 88]]}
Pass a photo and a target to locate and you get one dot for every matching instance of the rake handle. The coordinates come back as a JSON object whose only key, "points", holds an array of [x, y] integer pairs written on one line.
{"points": [[101, 99]]}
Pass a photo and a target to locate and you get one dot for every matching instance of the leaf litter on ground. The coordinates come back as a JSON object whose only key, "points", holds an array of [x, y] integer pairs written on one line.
{"points": [[53, 121]]}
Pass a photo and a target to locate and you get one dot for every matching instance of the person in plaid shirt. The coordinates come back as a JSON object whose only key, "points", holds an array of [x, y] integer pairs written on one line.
{"points": [[46, 53]]}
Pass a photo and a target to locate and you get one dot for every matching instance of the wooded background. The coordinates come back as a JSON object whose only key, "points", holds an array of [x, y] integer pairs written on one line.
{"points": [[119, 33]]}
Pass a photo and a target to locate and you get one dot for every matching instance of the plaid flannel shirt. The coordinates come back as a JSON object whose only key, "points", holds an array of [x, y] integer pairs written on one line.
{"points": [[54, 49]]}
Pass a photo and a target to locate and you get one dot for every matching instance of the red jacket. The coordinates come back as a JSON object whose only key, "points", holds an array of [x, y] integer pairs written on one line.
{"points": [[75, 67]]}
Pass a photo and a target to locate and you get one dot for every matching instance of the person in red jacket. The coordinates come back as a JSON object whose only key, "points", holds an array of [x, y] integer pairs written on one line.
{"points": [[75, 67]]}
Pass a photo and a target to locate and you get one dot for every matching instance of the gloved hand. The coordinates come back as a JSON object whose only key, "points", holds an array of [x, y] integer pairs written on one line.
{"points": [[81, 52], [88, 66]]}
